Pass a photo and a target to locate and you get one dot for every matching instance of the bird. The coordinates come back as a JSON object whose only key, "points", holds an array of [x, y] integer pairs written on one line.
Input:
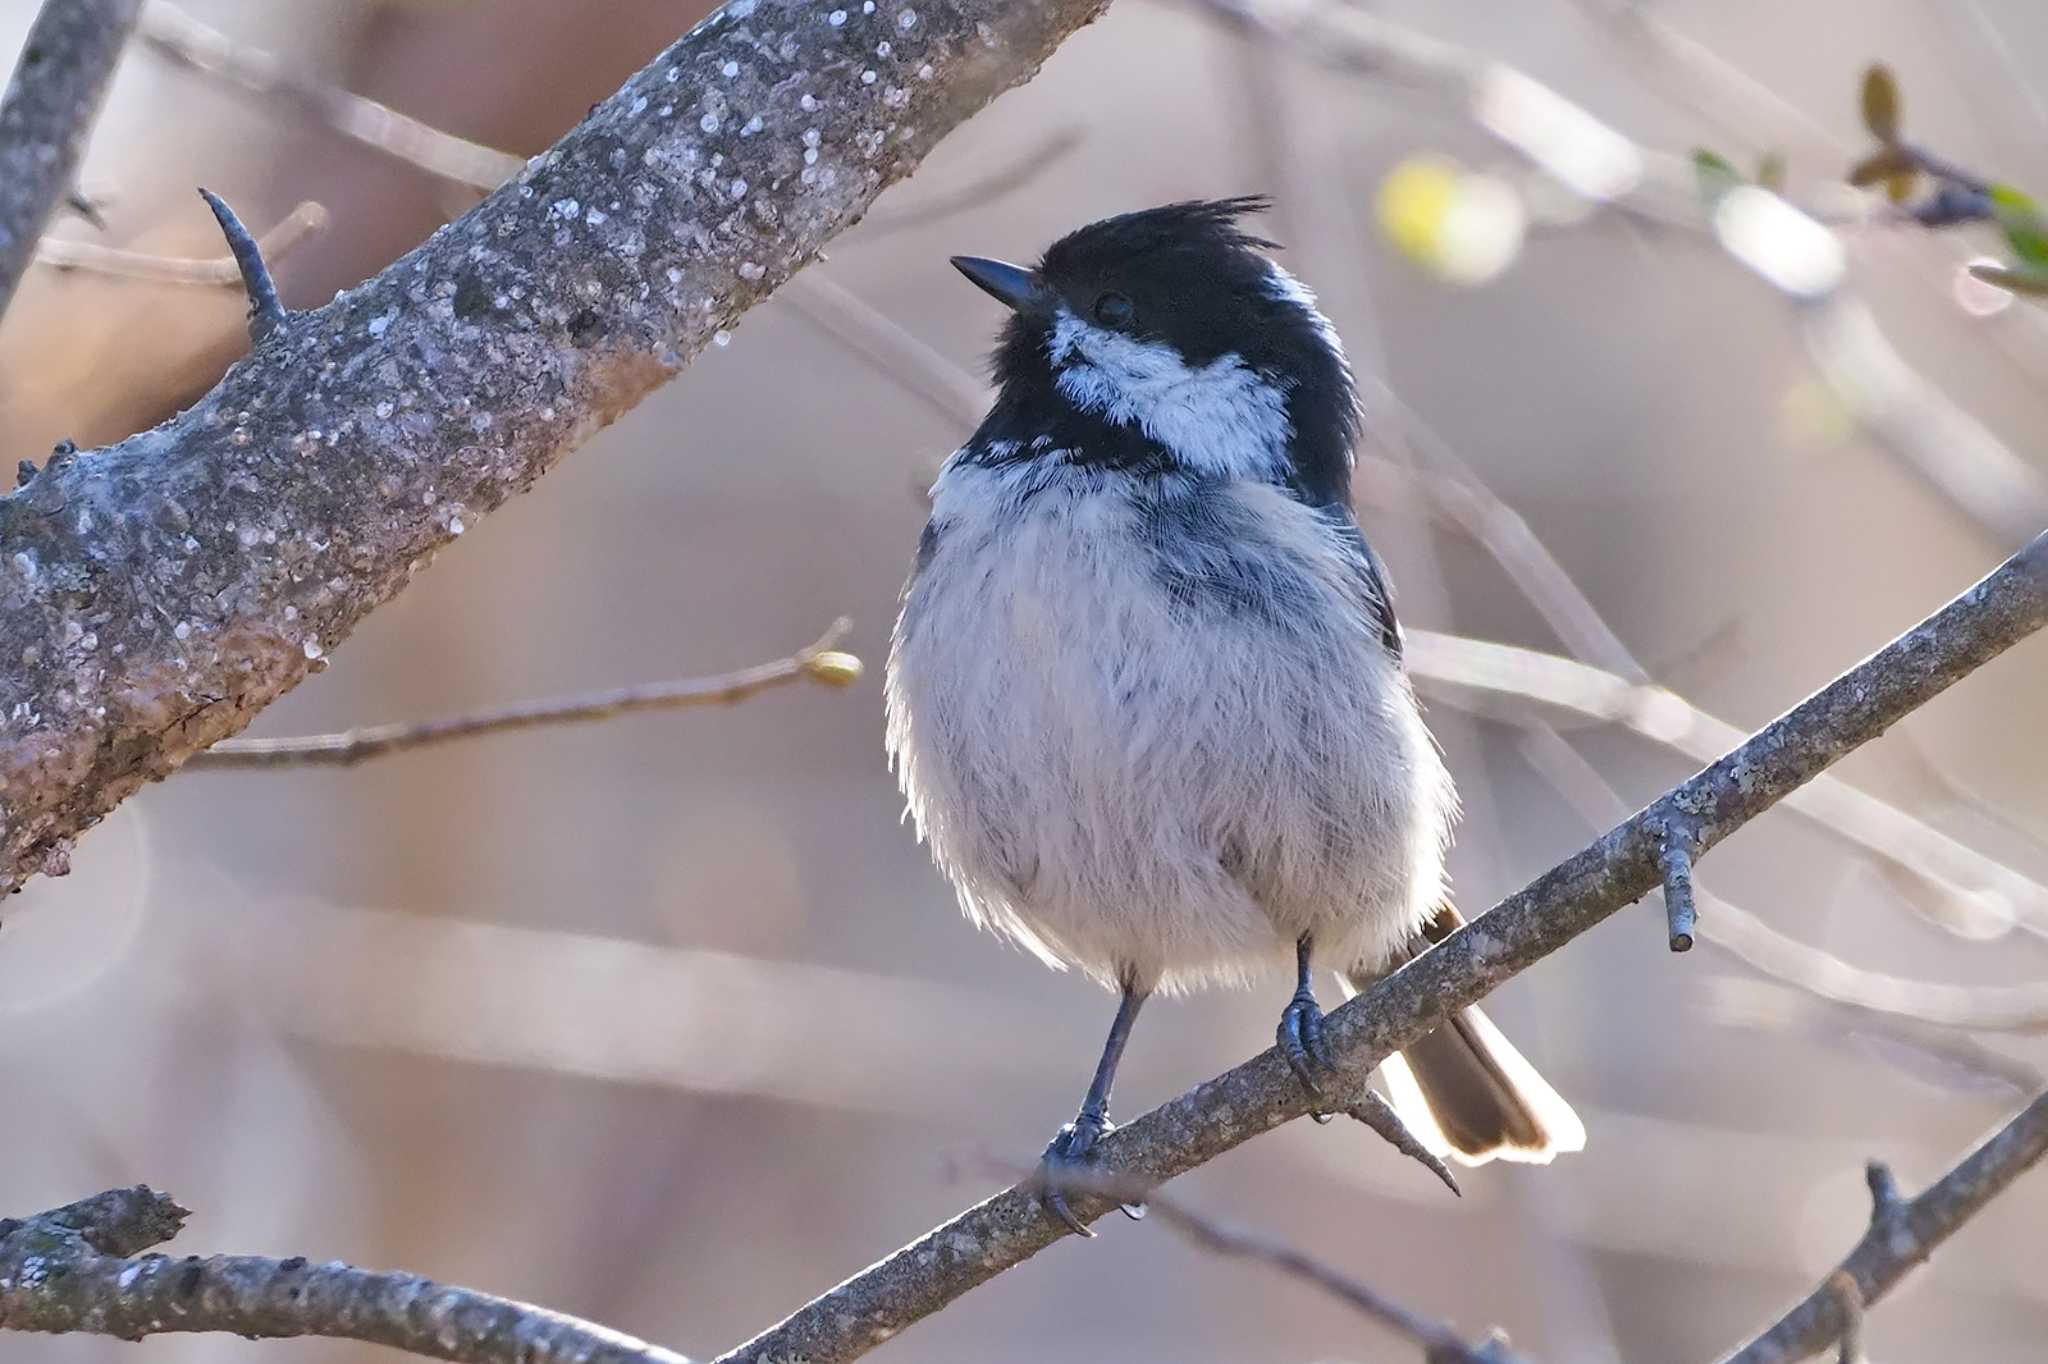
{"points": [[1145, 696]]}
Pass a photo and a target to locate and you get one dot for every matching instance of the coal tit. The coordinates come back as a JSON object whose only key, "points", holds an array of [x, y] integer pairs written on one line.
{"points": [[1146, 696]]}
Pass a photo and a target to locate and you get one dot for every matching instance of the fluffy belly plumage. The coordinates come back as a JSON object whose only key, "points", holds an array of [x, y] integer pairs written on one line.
{"points": [[1162, 758]]}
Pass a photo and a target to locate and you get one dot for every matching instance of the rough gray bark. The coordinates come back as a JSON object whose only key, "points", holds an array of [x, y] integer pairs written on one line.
{"points": [[58, 84], [156, 594], [98, 1292], [66, 1271], [1616, 870], [1902, 1234]]}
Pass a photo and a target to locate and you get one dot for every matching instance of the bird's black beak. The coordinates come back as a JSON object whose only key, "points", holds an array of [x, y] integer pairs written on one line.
{"points": [[1022, 290]]}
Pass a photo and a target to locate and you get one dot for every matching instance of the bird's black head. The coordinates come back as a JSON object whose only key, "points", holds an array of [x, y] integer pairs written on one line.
{"points": [[1164, 340]]}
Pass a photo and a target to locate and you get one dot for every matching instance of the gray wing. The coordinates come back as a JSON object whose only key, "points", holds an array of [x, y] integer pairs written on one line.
{"points": [[1373, 574]]}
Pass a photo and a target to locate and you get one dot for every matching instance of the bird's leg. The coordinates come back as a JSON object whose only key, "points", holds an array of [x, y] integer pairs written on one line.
{"points": [[1300, 1034], [1071, 1146]]}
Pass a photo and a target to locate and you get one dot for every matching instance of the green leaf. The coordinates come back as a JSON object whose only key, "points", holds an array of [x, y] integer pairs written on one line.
{"points": [[2019, 217], [2030, 282], [1716, 175], [1770, 172], [1881, 103]]}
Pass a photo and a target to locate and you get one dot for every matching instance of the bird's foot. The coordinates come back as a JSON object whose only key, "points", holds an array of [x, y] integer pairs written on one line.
{"points": [[1071, 1154], [1300, 1038]]}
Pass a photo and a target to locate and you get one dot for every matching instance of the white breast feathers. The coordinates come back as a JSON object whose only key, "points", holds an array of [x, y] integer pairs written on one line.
{"points": [[1150, 728]]}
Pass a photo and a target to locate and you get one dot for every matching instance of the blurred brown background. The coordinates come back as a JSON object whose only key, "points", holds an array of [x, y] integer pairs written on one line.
{"points": [[668, 1023]]}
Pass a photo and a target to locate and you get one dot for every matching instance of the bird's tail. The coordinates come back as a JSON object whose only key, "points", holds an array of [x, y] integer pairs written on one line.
{"points": [[1465, 1092]]}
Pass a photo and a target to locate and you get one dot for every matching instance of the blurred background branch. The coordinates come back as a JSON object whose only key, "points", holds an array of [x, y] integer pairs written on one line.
{"points": [[202, 616], [1502, 679], [1616, 870], [46, 114], [65, 253], [1523, 684], [174, 34], [639, 977], [1903, 1233], [1778, 243], [1440, 1344]]}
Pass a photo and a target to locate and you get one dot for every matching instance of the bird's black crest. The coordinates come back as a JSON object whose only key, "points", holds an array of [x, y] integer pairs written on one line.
{"points": [[1191, 225], [1191, 276]]}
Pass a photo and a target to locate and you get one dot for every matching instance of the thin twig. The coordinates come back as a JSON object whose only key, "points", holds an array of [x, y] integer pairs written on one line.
{"points": [[45, 116], [1902, 1234], [1459, 496], [1616, 691], [66, 253], [997, 184], [1791, 251], [819, 662], [1617, 869], [868, 333], [318, 475], [1440, 1344], [1942, 1056], [266, 310], [2013, 78], [1375, 1112], [1747, 938], [175, 34], [1681, 68], [86, 207], [70, 1270], [1906, 415], [1471, 671], [1680, 912]]}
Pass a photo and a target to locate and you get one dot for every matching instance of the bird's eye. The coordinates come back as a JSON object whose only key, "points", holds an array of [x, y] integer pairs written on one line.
{"points": [[1113, 310]]}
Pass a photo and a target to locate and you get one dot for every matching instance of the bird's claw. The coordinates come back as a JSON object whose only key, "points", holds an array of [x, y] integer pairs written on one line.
{"points": [[1071, 1150], [1301, 1041]]}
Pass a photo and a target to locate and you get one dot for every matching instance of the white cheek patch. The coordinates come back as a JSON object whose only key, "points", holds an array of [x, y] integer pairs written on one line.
{"points": [[1221, 418]]}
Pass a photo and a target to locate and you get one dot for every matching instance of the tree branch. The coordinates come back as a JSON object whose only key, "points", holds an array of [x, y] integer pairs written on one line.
{"points": [[174, 34], [1441, 1344], [1943, 1057], [67, 253], [985, 189], [266, 309], [156, 594], [1475, 671], [263, 1297], [1614, 688], [1617, 869], [48, 110], [819, 662], [1762, 948], [1902, 1234], [67, 1271], [1782, 246]]}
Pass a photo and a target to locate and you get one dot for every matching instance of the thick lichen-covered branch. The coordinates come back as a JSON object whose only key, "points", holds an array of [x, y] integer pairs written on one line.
{"points": [[156, 594], [58, 85], [1615, 870], [77, 1269]]}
